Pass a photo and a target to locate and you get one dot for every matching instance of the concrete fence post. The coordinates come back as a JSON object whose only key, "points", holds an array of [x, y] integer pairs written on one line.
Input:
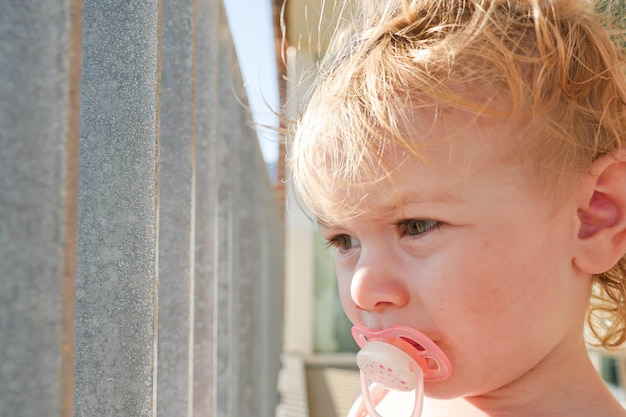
{"points": [[176, 210], [39, 87], [205, 270], [140, 241], [118, 209], [225, 281]]}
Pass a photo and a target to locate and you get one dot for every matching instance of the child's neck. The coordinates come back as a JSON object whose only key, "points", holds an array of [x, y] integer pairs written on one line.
{"points": [[573, 392]]}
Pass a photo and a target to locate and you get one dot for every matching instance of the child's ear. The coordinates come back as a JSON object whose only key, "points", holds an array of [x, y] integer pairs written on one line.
{"points": [[602, 214]]}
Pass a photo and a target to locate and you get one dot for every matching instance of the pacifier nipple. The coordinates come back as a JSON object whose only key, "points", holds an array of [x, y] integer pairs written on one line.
{"points": [[398, 358]]}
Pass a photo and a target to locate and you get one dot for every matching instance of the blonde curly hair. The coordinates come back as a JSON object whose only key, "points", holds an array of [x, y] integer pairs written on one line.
{"points": [[559, 63]]}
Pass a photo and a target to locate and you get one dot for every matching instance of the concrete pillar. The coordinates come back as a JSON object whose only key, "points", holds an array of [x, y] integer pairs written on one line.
{"points": [[116, 300], [140, 243], [225, 296], [39, 85], [205, 201], [176, 210]]}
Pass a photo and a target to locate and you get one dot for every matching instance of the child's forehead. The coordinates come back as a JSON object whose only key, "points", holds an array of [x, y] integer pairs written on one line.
{"points": [[453, 140], [414, 185], [348, 173]]}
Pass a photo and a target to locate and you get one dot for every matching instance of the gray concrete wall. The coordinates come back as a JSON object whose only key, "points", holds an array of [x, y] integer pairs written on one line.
{"points": [[140, 242]]}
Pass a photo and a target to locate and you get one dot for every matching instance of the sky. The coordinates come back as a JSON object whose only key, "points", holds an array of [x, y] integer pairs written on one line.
{"points": [[252, 29]]}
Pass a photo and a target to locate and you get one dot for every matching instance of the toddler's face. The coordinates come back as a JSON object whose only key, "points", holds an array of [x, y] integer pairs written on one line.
{"points": [[472, 255]]}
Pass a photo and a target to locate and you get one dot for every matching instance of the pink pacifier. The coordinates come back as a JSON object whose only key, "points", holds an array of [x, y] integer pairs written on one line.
{"points": [[398, 358]]}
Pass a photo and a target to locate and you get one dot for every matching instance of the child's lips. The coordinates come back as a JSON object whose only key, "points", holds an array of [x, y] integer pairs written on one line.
{"points": [[385, 328], [413, 343]]}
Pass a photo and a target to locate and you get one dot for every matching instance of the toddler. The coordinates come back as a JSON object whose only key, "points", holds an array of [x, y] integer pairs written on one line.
{"points": [[467, 161]]}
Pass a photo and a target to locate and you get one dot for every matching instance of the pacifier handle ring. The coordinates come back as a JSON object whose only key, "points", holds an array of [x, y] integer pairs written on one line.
{"points": [[419, 392]]}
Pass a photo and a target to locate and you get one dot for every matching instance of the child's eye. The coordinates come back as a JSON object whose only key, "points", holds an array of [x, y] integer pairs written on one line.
{"points": [[342, 242], [418, 227]]}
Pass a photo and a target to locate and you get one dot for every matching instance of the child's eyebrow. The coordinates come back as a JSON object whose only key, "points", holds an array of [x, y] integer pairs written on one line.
{"points": [[416, 197], [384, 210]]}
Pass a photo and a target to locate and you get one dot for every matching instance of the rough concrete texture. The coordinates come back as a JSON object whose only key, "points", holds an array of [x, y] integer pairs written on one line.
{"points": [[117, 220], [37, 151], [176, 211], [205, 214], [170, 245]]}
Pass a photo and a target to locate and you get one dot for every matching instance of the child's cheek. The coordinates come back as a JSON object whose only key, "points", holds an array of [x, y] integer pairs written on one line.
{"points": [[348, 305]]}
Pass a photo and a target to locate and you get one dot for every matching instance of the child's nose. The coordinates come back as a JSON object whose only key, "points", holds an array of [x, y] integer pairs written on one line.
{"points": [[375, 288]]}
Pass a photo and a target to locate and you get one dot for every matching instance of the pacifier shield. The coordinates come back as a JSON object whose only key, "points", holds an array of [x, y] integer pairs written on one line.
{"points": [[387, 365], [398, 358], [434, 364]]}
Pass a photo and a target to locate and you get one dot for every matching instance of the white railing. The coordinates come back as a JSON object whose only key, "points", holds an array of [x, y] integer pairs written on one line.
{"points": [[292, 387]]}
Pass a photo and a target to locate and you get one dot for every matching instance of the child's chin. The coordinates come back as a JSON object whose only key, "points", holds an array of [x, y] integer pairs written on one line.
{"points": [[441, 390]]}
